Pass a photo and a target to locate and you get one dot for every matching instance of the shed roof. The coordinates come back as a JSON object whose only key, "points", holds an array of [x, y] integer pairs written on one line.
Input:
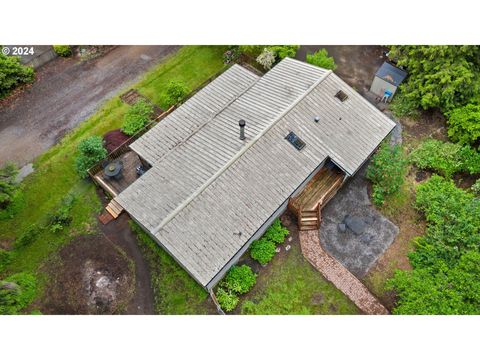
{"points": [[391, 74], [202, 193]]}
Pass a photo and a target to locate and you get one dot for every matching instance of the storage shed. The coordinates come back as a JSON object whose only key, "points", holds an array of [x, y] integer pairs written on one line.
{"points": [[386, 81]]}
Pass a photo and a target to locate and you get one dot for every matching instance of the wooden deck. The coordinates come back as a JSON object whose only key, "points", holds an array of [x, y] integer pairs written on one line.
{"points": [[114, 186], [308, 204]]}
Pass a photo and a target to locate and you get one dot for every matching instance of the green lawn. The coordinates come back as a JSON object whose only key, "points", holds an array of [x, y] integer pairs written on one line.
{"points": [[290, 285], [55, 176]]}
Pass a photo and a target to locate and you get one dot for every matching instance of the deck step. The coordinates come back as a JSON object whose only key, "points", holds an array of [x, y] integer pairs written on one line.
{"points": [[309, 222], [307, 228], [114, 208]]}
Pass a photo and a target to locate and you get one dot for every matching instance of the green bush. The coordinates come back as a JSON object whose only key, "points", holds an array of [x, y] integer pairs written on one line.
{"points": [[239, 279], [445, 158], [464, 124], [137, 116], [446, 290], [8, 184], [27, 237], [63, 50], [276, 233], [283, 51], [401, 106], [387, 172], [446, 260], [320, 58], [440, 76], [476, 187], [90, 152], [61, 217], [5, 258], [262, 250], [228, 300], [176, 92], [16, 292], [12, 74]]}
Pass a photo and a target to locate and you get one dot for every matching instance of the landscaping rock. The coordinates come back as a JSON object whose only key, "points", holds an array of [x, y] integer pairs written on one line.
{"points": [[278, 249], [356, 224], [289, 239], [342, 227], [369, 219], [288, 247]]}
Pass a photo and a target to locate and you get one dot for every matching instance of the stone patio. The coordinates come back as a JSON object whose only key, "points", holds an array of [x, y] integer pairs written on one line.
{"points": [[366, 233]]}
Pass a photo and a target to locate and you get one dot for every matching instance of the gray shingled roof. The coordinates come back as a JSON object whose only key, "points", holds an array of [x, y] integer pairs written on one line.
{"points": [[209, 187]]}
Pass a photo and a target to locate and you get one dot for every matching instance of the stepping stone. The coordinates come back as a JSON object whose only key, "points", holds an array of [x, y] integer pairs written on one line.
{"points": [[356, 224], [342, 227], [288, 247]]}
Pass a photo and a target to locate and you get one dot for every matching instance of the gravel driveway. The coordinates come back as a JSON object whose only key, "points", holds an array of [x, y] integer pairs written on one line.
{"points": [[65, 93]]}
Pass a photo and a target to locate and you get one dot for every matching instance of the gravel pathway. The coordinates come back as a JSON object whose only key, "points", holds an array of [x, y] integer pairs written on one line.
{"points": [[336, 273]]}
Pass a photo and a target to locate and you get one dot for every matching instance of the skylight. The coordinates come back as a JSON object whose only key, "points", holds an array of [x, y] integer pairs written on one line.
{"points": [[341, 95], [293, 139]]}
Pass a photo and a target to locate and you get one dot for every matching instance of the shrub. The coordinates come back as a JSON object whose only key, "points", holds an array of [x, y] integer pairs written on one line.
{"points": [[62, 50], [386, 171], [446, 260], [401, 106], [137, 116], [464, 124], [276, 233], [8, 184], [320, 58], [27, 237], [12, 74], [266, 58], [176, 92], [443, 76], [5, 258], [16, 292], [283, 51], [252, 50], [239, 279], [231, 55], [227, 299], [262, 250], [61, 217], [445, 158], [476, 187], [90, 152]]}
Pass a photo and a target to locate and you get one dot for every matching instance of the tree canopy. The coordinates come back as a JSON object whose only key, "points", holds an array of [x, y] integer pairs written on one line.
{"points": [[443, 76]]}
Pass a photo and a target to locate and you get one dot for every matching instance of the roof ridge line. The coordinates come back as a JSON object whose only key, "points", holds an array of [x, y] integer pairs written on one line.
{"points": [[197, 192], [215, 114]]}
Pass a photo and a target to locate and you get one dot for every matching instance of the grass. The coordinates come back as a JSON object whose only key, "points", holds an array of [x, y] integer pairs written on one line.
{"points": [[290, 285], [55, 174], [175, 291], [189, 65]]}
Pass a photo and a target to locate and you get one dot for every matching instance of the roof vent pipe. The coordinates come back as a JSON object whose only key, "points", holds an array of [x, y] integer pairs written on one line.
{"points": [[242, 123]]}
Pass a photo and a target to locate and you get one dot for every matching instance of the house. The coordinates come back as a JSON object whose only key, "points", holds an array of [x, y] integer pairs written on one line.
{"points": [[225, 164], [386, 81]]}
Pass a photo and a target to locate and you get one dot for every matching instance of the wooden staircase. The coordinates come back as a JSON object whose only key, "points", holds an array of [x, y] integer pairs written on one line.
{"points": [[114, 208], [308, 204], [309, 219]]}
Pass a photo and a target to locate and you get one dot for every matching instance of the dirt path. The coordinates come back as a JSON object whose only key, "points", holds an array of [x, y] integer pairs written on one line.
{"points": [[120, 233], [65, 93], [335, 272], [356, 64]]}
